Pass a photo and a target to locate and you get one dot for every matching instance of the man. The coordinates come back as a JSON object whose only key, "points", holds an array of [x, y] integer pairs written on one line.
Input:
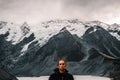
{"points": [[60, 73]]}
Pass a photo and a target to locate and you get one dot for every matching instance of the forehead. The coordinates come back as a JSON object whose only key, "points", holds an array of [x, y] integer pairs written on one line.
{"points": [[61, 61]]}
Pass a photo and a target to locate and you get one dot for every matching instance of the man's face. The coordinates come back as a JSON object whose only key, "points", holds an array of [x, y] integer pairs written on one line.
{"points": [[61, 65]]}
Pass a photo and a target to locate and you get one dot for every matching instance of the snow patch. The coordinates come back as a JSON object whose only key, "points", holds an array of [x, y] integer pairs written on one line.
{"points": [[115, 35], [43, 33], [15, 32], [45, 30], [76, 77]]}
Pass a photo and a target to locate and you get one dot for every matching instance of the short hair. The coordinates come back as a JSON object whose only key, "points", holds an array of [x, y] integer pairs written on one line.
{"points": [[62, 59]]}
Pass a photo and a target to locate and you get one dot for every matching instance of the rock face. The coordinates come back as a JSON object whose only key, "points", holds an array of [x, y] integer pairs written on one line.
{"points": [[96, 52], [6, 76]]}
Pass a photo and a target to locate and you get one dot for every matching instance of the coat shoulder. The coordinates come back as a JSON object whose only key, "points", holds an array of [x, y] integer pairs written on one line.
{"points": [[52, 76], [70, 76]]}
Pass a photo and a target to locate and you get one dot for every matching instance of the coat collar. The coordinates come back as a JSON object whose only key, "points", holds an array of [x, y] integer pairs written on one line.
{"points": [[57, 71]]}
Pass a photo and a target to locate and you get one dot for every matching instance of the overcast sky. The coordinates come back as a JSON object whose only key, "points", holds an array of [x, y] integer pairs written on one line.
{"points": [[34, 11]]}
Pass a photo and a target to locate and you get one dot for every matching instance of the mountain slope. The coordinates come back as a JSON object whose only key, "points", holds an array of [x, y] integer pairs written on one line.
{"points": [[89, 47]]}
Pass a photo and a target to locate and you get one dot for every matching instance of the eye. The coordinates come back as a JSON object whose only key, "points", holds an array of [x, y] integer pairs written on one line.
{"points": [[62, 64]]}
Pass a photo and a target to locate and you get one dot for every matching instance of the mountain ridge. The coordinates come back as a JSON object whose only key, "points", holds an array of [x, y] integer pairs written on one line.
{"points": [[88, 47]]}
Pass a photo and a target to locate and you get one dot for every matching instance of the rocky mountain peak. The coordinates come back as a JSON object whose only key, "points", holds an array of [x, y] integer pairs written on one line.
{"points": [[2, 24], [25, 28]]}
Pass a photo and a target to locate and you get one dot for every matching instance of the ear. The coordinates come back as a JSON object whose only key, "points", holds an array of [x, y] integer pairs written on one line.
{"points": [[57, 66], [65, 65]]}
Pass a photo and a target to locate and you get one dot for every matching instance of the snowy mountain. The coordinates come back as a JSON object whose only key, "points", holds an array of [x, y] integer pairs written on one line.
{"points": [[91, 48]]}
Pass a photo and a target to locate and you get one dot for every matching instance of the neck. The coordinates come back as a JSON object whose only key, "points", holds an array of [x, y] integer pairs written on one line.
{"points": [[61, 71]]}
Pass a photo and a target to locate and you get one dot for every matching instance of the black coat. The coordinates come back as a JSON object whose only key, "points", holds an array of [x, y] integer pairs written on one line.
{"points": [[60, 76]]}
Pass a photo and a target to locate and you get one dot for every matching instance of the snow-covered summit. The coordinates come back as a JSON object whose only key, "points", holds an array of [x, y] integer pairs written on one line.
{"points": [[25, 28], [16, 31], [2, 24], [115, 26], [114, 30], [45, 30]]}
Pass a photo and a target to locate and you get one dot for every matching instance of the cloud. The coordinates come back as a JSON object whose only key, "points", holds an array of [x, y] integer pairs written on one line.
{"points": [[104, 10], [40, 10]]}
